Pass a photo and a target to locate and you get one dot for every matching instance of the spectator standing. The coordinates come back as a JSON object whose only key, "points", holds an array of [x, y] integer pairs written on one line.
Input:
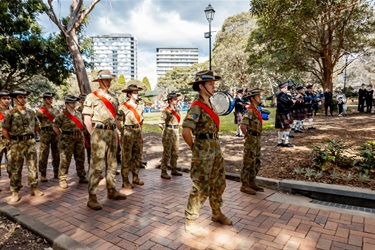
{"points": [[238, 111], [328, 102], [369, 98], [362, 98]]}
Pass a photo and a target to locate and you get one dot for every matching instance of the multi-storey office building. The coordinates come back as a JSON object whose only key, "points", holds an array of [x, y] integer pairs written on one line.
{"points": [[168, 58], [117, 53]]}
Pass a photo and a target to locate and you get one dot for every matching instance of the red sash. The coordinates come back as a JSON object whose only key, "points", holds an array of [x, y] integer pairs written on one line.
{"points": [[78, 123], [46, 113], [107, 103], [257, 113], [1, 116], [135, 112], [175, 114], [209, 111]]}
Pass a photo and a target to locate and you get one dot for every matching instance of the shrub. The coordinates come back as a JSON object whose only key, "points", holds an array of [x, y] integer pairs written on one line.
{"points": [[367, 157]]}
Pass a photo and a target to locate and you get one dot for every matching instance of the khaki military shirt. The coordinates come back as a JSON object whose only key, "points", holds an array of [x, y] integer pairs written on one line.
{"points": [[20, 123], [251, 120], [127, 117], [97, 110], [199, 120], [64, 123], [43, 119], [168, 118]]}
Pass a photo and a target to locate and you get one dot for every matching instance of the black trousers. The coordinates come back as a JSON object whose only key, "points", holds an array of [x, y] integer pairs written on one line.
{"points": [[330, 105]]}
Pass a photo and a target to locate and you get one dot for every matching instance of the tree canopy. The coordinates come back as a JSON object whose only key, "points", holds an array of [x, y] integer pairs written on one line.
{"points": [[309, 36], [24, 52]]}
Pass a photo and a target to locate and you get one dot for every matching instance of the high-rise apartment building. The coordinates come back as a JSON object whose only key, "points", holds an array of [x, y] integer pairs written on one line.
{"points": [[117, 53], [168, 58]]}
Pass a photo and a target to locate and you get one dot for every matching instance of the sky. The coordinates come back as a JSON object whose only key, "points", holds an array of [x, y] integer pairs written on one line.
{"points": [[155, 23]]}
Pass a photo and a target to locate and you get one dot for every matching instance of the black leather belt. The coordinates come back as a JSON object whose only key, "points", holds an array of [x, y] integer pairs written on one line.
{"points": [[107, 127], [132, 126], [207, 136], [47, 129], [254, 133], [22, 137], [77, 132], [172, 126]]}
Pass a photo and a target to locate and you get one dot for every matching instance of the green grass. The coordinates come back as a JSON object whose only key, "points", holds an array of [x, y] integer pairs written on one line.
{"points": [[227, 126]]}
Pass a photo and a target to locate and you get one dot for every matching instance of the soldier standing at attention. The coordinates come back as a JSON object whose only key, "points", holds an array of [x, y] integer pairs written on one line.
{"points": [[131, 116], [207, 164], [100, 113], [69, 126], [46, 114], [4, 109], [19, 127], [86, 134], [169, 122], [251, 127]]}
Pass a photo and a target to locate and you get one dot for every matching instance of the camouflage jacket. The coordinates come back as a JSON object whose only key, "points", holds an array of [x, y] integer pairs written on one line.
{"points": [[20, 123]]}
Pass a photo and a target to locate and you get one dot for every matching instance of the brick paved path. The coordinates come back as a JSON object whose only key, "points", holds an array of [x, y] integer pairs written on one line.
{"points": [[152, 217]]}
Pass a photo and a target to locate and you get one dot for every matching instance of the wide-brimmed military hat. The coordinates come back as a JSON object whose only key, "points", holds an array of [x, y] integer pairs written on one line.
{"points": [[131, 88], [48, 94], [20, 91], [71, 98], [239, 90], [204, 76], [171, 95], [82, 96], [104, 74], [254, 91], [4, 93]]}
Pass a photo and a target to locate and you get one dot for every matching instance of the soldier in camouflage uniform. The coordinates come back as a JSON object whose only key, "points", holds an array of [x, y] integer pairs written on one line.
{"points": [[70, 125], [46, 114], [100, 112], [82, 99], [251, 127], [19, 127], [169, 121], [207, 164], [4, 109], [131, 117]]}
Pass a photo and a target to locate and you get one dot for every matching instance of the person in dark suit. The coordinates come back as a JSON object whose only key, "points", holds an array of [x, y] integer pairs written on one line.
{"points": [[361, 98], [369, 98], [328, 101]]}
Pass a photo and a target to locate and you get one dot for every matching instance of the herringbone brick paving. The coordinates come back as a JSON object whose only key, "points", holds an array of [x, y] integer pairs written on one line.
{"points": [[152, 217]]}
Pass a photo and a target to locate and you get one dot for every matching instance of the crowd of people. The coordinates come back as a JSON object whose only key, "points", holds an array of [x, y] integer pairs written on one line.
{"points": [[112, 133]]}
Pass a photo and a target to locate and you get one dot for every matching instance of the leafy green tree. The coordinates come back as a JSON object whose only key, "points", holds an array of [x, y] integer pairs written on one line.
{"points": [[121, 80], [229, 57], [24, 53], [309, 36], [146, 83]]}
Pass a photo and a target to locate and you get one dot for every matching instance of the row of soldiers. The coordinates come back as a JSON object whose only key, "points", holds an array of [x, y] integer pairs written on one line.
{"points": [[103, 117]]}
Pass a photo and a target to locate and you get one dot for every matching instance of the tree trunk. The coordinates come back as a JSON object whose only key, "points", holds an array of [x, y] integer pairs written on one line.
{"points": [[79, 66]]}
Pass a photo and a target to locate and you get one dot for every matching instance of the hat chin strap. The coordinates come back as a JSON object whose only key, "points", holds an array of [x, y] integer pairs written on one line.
{"points": [[204, 86], [103, 84]]}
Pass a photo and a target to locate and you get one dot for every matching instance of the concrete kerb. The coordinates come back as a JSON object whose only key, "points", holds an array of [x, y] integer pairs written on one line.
{"points": [[292, 186], [58, 240]]}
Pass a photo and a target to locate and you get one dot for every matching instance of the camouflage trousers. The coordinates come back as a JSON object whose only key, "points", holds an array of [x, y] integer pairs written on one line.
{"points": [[3, 150], [170, 148], [103, 153], [70, 145], [48, 139], [18, 151], [251, 159], [131, 144], [208, 175]]}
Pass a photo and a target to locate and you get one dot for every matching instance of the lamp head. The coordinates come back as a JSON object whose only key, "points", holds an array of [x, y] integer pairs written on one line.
{"points": [[210, 13]]}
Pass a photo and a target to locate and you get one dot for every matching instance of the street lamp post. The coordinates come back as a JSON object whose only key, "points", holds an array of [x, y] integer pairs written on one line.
{"points": [[210, 13]]}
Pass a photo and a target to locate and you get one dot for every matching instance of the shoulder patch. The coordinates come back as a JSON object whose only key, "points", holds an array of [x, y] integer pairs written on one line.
{"points": [[192, 116]]}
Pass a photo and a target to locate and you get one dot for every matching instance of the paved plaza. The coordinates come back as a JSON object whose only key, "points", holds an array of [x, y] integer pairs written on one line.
{"points": [[152, 217]]}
